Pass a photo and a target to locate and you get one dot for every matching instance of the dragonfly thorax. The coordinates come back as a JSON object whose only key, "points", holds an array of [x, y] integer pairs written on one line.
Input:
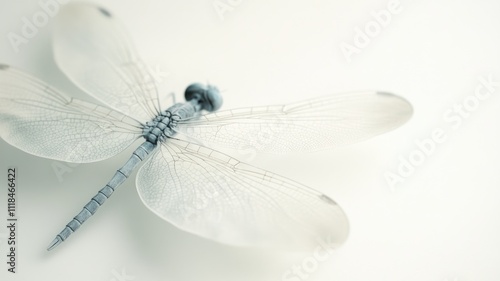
{"points": [[161, 127], [198, 97]]}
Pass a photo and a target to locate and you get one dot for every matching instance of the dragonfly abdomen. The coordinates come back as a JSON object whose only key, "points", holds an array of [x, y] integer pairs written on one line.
{"points": [[91, 207]]}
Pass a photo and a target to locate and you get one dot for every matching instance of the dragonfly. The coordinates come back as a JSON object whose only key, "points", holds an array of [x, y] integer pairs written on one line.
{"points": [[184, 179]]}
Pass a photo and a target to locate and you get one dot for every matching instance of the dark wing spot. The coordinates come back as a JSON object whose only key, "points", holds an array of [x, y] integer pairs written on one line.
{"points": [[3, 66], [385, 94], [327, 199], [105, 12]]}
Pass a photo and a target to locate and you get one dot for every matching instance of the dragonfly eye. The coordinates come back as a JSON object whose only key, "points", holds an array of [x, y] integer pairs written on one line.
{"points": [[208, 96]]}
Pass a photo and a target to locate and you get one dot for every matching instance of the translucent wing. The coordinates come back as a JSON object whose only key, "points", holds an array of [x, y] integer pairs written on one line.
{"points": [[40, 120], [309, 125], [208, 193], [94, 51]]}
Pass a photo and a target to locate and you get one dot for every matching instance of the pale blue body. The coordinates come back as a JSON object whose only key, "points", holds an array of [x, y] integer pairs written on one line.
{"points": [[158, 130]]}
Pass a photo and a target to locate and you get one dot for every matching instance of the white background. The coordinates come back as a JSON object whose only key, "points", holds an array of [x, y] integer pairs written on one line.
{"points": [[440, 224]]}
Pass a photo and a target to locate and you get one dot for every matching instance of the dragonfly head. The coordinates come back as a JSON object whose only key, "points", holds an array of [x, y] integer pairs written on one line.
{"points": [[207, 95]]}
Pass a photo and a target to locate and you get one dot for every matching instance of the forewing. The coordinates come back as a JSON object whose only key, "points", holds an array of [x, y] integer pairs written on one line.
{"points": [[40, 120], [309, 125], [93, 50], [210, 194]]}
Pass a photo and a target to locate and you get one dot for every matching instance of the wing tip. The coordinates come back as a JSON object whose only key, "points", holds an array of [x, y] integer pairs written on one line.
{"points": [[327, 199], [409, 107], [341, 229], [386, 94], [105, 12], [4, 66], [75, 8]]}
